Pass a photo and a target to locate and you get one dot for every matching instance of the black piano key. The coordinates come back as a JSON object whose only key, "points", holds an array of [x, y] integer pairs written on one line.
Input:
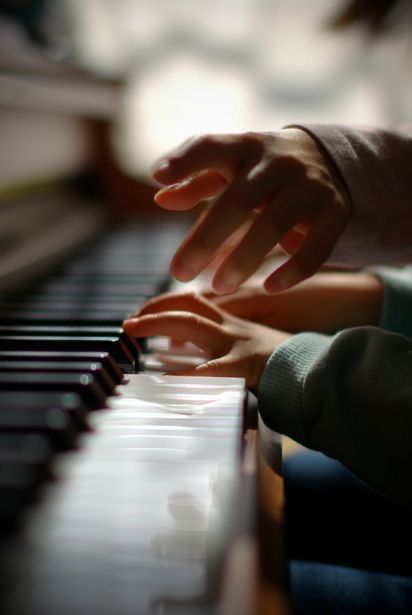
{"points": [[72, 331], [113, 346], [86, 317], [72, 403], [72, 294], [133, 267], [85, 385], [25, 461], [30, 448], [78, 367], [74, 287], [54, 416], [104, 358], [15, 495], [21, 474], [77, 308], [100, 277]]}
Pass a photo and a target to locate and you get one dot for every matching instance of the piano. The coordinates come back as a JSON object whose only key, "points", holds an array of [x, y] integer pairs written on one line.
{"points": [[122, 490]]}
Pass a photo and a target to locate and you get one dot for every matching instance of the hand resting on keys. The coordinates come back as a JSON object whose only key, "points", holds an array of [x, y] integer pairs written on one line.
{"points": [[281, 187], [233, 346]]}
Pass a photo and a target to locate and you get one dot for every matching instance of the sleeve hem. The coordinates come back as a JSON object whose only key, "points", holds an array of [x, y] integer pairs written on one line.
{"points": [[281, 387]]}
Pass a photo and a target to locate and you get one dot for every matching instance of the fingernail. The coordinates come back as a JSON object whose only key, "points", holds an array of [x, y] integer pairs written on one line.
{"points": [[129, 322], [167, 189], [282, 280], [160, 168], [182, 271], [222, 287], [162, 165], [228, 283]]}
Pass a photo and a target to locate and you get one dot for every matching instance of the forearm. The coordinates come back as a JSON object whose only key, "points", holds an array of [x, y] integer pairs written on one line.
{"points": [[329, 302], [349, 397]]}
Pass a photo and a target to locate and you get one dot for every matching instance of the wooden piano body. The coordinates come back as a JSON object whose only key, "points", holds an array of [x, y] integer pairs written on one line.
{"points": [[169, 499]]}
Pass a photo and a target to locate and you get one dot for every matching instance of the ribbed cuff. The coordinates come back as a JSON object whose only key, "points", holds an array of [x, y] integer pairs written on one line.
{"points": [[280, 397], [397, 299]]}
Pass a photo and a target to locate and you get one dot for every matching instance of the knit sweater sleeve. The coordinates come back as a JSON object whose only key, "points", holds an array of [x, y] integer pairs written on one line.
{"points": [[349, 396], [376, 166]]}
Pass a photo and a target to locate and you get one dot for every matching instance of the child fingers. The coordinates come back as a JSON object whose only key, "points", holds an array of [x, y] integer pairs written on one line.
{"points": [[213, 368], [193, 190], [186, 326], [187, 302]]}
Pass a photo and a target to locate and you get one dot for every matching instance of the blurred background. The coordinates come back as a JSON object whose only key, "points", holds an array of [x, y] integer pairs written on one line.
{"points": [[184, 67]]}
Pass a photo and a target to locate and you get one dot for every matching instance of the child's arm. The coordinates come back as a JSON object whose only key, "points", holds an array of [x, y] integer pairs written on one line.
{"points": [[324, 303], [310, 188]]}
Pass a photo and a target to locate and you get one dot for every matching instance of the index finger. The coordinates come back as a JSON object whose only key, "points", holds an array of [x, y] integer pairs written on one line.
{"points": [[190, 192], [187, 302], [185, 326], [223, 153]]}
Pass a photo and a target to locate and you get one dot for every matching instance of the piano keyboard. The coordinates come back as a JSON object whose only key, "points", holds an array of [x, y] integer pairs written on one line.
{"points": [[117, 489]]}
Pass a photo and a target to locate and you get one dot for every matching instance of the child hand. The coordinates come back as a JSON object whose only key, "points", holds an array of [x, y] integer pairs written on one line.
{"points": [[325, 303], [234, 347], [284, 179]]}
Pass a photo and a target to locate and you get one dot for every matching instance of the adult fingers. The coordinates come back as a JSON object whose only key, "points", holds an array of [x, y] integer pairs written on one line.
{"points": [[271, 225], [187, 194], [220, 221], [223, 153], [202, 332], [187, 302], [314, 251]]}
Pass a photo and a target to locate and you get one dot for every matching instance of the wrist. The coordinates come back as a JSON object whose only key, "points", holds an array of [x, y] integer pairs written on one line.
{"points": [[366, 295], [274, 339]]}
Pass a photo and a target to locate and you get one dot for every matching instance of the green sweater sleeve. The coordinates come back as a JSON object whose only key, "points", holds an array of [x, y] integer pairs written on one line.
{"points": [[349, 396], [396, 313]]}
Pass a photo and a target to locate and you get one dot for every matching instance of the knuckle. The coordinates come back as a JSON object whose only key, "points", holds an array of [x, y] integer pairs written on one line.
{"points": [[213, 366], [306, 267], [253, 145], [206, 140], [187, 143], [191, 144], [251, 139], [289, 164], [192, 296]]}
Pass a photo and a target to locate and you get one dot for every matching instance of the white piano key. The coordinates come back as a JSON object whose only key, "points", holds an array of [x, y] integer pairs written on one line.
{"points": [[142, 510]]}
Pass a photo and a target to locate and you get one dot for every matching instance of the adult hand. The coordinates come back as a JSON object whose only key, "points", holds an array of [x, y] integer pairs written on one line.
{"points": [[282, 187], [233, 347]]}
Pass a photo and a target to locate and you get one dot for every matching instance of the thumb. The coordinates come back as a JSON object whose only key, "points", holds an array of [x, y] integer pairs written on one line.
{"points": [[212, 368]]}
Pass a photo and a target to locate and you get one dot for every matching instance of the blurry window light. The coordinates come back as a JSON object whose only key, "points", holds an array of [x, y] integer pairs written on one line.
{"points": [[223, 66]]}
